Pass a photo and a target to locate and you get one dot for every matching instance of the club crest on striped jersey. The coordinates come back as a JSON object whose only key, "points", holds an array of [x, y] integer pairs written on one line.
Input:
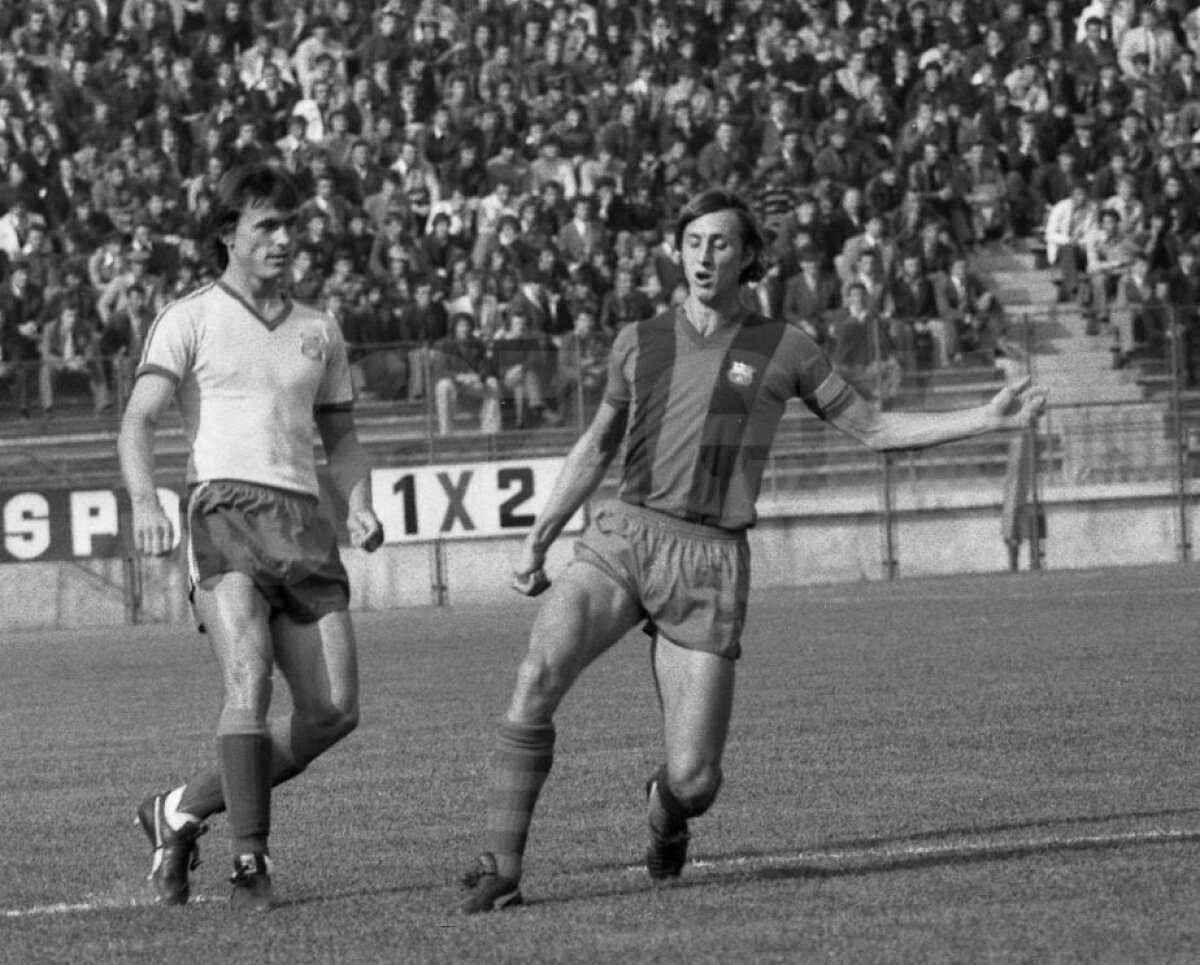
{"points": [[312, 346], [740, 374]]}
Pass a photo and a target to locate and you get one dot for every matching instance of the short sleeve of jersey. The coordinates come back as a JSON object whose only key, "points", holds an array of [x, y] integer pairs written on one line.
{"points": [[825, 392], [337, 389], [170, 348], [618, 392]]}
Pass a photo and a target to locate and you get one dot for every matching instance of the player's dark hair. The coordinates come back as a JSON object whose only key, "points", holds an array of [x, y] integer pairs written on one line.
{"points": [[722, 199], [251, 184]]}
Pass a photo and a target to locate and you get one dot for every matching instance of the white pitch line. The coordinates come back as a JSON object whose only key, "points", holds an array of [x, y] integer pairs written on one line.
{"points": [[915, 593], [867, 852], [96, 904], [961, 849]]}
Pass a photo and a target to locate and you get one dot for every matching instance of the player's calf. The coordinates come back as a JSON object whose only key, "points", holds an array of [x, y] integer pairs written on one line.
{"points": [[668, 821]]}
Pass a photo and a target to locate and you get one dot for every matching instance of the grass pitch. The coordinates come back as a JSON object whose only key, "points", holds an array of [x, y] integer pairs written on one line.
{"points": [[998, 769]]}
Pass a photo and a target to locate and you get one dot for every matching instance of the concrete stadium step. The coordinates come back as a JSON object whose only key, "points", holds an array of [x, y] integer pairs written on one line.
{"points": [[1023, 287], [1075, 366], [840, 451], [944, 466]]}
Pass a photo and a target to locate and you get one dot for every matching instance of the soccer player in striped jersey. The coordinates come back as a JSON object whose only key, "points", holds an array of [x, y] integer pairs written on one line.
{"points": [[252, 372], [695, 394]]}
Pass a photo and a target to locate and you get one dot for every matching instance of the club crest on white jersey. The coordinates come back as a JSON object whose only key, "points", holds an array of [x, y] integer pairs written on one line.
{"points": [[312, 346]]}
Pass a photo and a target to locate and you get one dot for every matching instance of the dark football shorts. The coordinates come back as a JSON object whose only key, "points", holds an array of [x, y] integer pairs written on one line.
{"points": [[280, 539], [692, 581]]}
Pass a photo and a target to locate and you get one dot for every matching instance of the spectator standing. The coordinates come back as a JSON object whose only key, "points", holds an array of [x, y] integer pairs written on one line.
{"points": [[21, 308]]}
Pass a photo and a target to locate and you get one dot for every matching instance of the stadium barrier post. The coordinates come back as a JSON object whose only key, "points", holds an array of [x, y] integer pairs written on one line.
{"points": [[1034, 513], [1183, 545], [891, 565], [131, 568], [131, 564], [426, 364], [437, 573]]}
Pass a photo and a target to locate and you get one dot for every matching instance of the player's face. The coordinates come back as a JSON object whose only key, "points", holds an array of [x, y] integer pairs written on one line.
{"points": [[714, 256], [262, 241]]}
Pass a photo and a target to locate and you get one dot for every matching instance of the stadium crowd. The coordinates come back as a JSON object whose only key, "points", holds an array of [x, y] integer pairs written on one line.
{"points": [[491, 183]]}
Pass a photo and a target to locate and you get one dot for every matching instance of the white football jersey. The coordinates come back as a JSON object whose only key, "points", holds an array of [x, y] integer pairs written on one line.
{"points": [[247, 386]]}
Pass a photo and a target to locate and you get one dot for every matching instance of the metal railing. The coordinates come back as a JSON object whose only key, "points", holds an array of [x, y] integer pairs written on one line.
{"points": [[1142, 443]]}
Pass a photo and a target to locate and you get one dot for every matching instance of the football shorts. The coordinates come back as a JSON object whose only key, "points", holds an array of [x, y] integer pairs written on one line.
{"points": [[280, 539], [692, 581]]}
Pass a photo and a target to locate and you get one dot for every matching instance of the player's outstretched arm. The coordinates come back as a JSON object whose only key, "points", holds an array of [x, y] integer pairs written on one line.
{"points": [[351, 473], [1016, 406], [153, 533], [581, 474]]}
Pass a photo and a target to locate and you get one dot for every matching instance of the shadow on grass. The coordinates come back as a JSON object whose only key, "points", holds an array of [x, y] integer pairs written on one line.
{"points": [[367, 891], [979, 830], [879, 854], [876, 854]]}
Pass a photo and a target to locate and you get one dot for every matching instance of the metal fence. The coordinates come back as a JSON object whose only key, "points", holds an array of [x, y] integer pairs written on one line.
{"points": [[418, 406]]}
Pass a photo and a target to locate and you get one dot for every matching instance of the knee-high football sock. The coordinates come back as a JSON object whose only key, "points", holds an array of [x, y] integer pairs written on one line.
{"points": [[292, 749], [522, 761], [244, 753]]}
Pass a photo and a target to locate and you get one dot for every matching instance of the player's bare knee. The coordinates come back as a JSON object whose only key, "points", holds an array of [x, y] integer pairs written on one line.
{"points": [[344, 723], [246, 685], [333, 722], [696, 786]]}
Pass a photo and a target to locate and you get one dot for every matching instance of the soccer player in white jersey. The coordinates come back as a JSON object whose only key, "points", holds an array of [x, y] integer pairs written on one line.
{"points": [[251, 372]]}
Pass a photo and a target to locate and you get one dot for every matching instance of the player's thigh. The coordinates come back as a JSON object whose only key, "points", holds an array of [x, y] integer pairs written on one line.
{"points": [[235, 615], [319, 661], [584, 614], [696, 689]]}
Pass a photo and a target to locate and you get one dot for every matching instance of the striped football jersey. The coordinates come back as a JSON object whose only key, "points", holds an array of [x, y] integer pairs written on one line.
{"points": [[703, 411]]}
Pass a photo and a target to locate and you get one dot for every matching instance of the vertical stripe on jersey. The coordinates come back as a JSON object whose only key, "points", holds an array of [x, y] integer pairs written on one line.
{"points": [[722, 449], [651, 392]]}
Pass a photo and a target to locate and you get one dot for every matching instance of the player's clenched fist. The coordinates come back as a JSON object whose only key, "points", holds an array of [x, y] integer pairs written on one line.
{"points": [[528, 577], [153, 534], [533, 583], [366, 532]]}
